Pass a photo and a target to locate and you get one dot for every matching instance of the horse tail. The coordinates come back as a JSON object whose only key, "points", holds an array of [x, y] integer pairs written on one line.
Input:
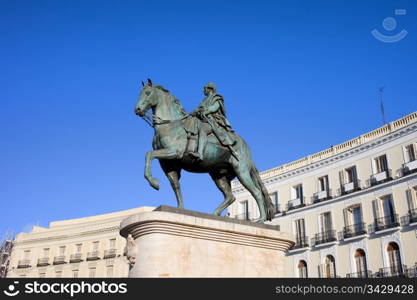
{"points": [[268, 205]]}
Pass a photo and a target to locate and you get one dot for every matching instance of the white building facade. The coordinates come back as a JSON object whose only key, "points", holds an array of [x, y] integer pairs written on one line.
{"points": [[352, 208], [86, 247]]}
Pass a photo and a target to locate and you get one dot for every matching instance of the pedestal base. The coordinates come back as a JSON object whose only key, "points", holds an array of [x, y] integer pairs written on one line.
{"points": [[171, 242]]}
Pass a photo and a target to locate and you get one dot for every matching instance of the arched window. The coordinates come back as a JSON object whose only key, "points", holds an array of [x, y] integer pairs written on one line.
{"points": [[329, 268], [394, 257], [302, 269], [361, 265]]}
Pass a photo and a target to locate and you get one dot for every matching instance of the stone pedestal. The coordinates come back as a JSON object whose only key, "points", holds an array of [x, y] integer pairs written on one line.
{"points": [[172, 242]]}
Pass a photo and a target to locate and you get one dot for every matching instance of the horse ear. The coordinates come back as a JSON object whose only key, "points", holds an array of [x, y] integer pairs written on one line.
{"points": [[149, 82], [143, 84]]}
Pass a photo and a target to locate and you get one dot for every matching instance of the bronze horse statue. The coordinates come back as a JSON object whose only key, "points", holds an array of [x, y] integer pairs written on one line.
{"points": [[172, 146]]}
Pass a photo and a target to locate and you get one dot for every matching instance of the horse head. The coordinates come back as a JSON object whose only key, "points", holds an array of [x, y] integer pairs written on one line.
{"points": [[158, 98], [147, 98]]}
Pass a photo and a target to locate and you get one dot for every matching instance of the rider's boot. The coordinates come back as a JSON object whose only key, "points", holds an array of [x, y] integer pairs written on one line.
{"points": [[202, 140]]}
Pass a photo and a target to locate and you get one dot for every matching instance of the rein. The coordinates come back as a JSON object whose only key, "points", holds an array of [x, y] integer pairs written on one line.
{"points": [[155, 120]]}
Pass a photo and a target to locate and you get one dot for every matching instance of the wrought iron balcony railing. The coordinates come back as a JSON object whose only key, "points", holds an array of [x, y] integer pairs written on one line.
{"points": [[360, 274], [77, 257], [350, 187], [59, 260], [394, 271], [110, 253], [386, 223], [93, 255], [23, 263], [44, 261], [412, 271], [300, 242], [324, 237], [296, 203], [410, 167], [354, 230], [322, 196], [380, 177], [412, 216]]}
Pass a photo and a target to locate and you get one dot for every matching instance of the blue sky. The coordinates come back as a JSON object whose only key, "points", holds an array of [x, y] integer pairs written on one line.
{"points": [[296, 76]]}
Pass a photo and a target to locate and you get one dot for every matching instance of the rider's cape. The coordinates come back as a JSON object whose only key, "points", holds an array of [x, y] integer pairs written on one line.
{"points": [[217, 120]]}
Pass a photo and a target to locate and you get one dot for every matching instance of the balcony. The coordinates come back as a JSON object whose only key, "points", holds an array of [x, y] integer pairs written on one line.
{"points": [[351, 187], [386, 223], [361, 274], [322, 196], [44, 261], [300, 243], [24, 263], [77, 257], [394, 271], [110, 253], [380, 177], [412, 216], [93, 255], [354, 230], [296, 203], [410, 167], [324, 238], [59, 260], [412, 272]]}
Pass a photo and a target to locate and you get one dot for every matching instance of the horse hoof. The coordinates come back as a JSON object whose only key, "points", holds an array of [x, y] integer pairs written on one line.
{"points": [[154, 183]]}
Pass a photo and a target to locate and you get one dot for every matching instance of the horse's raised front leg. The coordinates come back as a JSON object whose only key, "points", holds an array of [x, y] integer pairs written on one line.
{"points": [[223, 183], [160, 154]]}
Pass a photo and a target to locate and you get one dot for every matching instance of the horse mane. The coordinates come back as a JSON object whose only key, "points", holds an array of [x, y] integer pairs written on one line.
{"points": [[174, 100]]}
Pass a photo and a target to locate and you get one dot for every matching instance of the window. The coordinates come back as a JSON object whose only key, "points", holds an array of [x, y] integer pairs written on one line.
{"points": [[388, 206], [95, 246], [297, 192], [326, 222], [109, 271], [302, 269], [394, 257], [324, 183], [360, 263], [112, 243], [78, 248], [380, 164], [353, 216], [329, 267], [245, 210], [62, 250], [92, 273], [410, 153], [351, 174], [275, 201], [75, 273], [299, 229]]}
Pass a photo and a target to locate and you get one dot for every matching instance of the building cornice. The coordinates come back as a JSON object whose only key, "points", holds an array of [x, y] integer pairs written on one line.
{"points": [[60, 237]]}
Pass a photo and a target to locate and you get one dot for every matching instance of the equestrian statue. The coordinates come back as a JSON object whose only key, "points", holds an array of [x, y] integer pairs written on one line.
{"points": [[200, 142]]}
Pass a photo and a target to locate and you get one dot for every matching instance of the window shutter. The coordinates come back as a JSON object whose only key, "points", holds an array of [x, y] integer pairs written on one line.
{"points": [[373, 161], [346, 217], [410, 201], [406, 154], [376, 208]]}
